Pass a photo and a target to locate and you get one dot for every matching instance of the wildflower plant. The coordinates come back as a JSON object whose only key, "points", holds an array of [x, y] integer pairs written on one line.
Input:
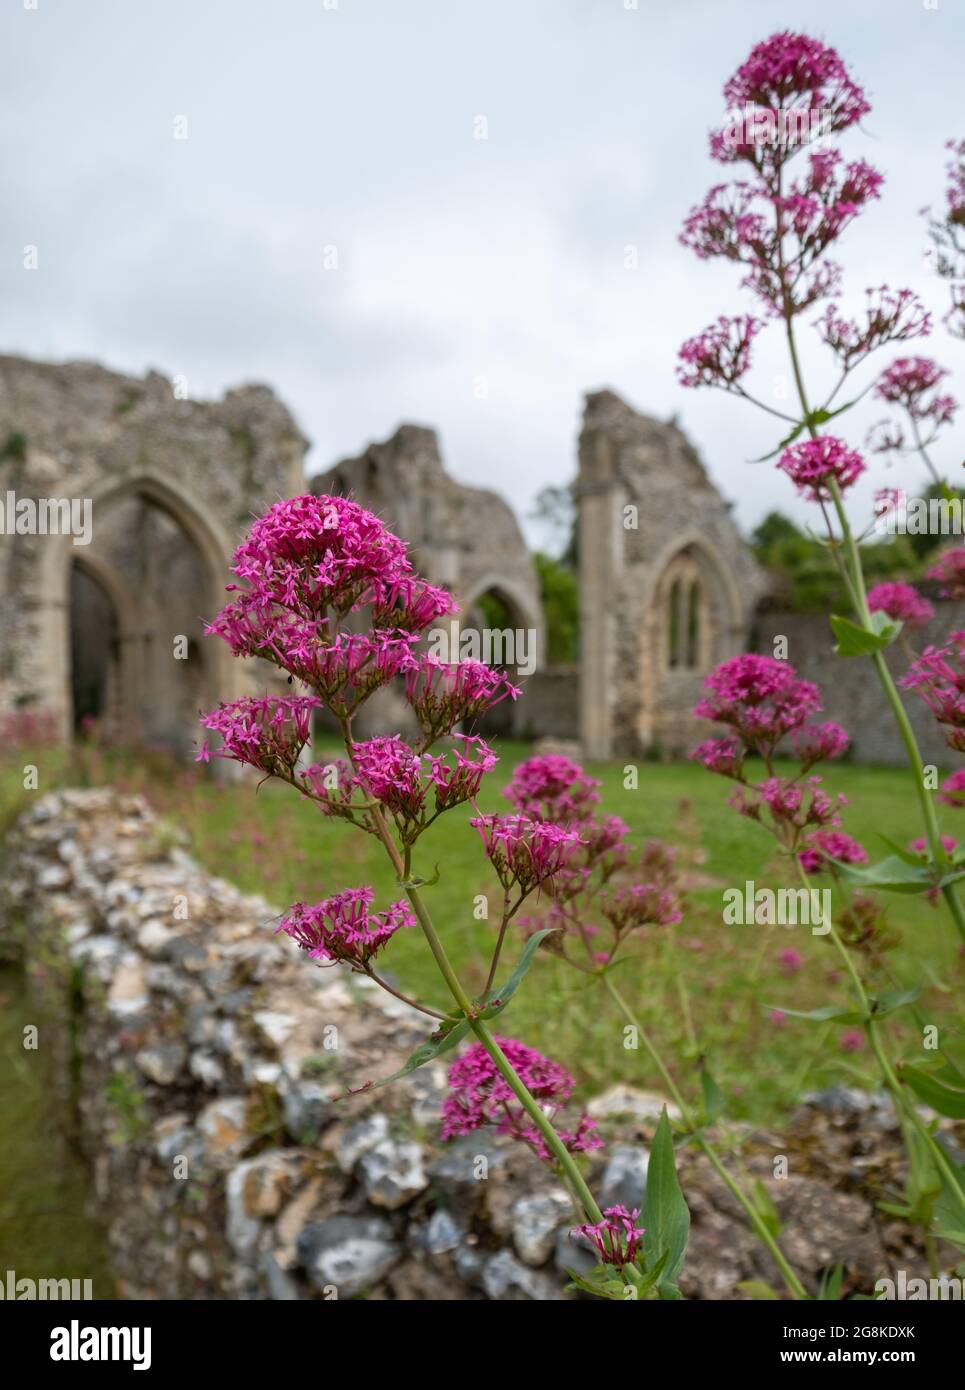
{"points": [[328, 595], [765, 708], [780, 221]]}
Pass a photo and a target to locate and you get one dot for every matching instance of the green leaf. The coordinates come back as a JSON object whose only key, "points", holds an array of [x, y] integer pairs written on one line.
{"points": [[788, 439], [425, 1052], [945, 1099], [766, 1209], [666, 1216], [756, 1288], [893, 999], [713, 1096], [829, 1290], [891, 875], [499, 996], [859, 641]]}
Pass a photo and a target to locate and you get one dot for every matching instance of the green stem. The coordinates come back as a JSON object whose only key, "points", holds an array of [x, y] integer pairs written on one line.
{"points": [[502, 1064], [859, 596], [478, 1026], [795, 1287]]}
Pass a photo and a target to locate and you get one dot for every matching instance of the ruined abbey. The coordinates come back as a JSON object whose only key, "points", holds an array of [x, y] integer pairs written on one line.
{"points": [[104, 622]]}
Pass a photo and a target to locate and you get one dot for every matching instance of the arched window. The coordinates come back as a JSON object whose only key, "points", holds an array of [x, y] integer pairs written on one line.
{"points": [[683, 614], [673, 626], [693, 625]]}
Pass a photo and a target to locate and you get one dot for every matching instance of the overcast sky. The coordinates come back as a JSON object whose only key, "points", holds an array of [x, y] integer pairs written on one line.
{"points": [[313, 125]]}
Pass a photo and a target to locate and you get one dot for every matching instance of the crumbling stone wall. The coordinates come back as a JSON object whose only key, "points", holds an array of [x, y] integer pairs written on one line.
{"points": [[172, 485], [667, 585], [204, 1053]]}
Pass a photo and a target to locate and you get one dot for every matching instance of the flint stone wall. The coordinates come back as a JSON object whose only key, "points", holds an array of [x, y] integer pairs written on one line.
{"points": [[198, 1052]]}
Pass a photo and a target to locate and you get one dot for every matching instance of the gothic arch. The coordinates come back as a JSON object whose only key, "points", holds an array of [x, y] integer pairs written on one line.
{"points": [[210, 542], [693, 618]]}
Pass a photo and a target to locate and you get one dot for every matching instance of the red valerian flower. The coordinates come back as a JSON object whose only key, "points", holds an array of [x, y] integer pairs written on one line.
{"points": [[720, 355], [551, 787], [823, 845], [761, 697], [953, 790], [480, 1097], [949, 571], [268, 734], [788, 807], [617, 1237], [525, 852], [908, 381], [341, 928], [818, 743], [724, 756], [813, 464], [901, 602], [891, 316], [442, 695], [939, 677]]}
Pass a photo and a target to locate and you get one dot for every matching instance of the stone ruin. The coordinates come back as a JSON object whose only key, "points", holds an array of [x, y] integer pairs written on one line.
{"points": [[112, 630]]}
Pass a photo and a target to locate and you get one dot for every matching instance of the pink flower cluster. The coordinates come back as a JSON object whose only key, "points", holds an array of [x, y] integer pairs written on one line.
{"points": [[342, 927], [949, 571], [939, 678], [953, 790], [617, 1238], [788, 806], [793, 73], [823, 845], [908, 381], [551, 787], [525, 852], [268, 734], [763, 699], [443, 695], [309, 563], [389, 771], [819, 743], [813, 464], [890, 316], [901, 602], [720, 355], [479, 1097]]}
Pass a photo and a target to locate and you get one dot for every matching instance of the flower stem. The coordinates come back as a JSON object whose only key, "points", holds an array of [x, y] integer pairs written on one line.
{"points": [[794, 1285], [859, 597]]}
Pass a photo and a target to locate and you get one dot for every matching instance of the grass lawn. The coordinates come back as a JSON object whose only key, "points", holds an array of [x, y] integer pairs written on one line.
{"points": [[703, 988]]}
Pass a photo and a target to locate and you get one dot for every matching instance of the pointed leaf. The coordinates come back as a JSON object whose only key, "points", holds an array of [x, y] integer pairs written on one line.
{"points": [[945, 1099], [861, 641], [666, 1215], [425, 1052], [825, 1014], [499, 996]]}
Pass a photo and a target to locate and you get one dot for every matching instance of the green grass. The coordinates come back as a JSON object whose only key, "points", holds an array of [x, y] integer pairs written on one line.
{"points": [[704, 989]]}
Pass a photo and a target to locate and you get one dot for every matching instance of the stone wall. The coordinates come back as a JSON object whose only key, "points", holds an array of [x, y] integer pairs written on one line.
{"points": [[204, 1052]]}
